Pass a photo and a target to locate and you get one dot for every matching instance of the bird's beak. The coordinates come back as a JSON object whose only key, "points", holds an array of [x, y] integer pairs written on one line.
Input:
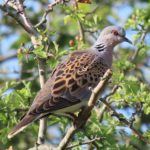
{"points": [[127, 40]]}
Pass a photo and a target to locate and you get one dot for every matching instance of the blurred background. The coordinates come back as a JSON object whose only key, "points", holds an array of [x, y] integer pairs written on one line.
{"points": [[19, 81]]}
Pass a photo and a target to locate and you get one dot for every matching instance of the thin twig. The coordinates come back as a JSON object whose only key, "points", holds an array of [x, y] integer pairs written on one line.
{"points": [[91, 30], [48, 10], [140, 41], [84, 143], [25, 22], [20, 16], [43, 122], [84, 115], [81, 30], [101, 111], [93, 144], [119, 116], [122, 119], [5, 58]]}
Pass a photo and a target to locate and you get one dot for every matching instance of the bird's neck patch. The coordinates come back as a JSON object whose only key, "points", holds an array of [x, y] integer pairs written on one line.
{"points": [[100, 47]]}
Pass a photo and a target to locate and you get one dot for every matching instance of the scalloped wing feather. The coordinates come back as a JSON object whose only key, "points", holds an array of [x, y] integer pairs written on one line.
{"points": [[67, 87], [69, 83]]}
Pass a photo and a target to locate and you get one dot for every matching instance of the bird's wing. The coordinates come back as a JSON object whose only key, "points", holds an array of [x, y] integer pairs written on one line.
{"points": [[68, 82], [70, 76], [65, 86], [82, 69]]}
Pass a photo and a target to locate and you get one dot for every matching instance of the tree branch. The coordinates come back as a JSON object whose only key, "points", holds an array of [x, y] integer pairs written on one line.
{"points": [[101, 111], [85, 142], [21, 18], [43, 122], [7, 57], [142, 38], [47, 11], [121, 118], [82, 117], [81, 30], [28, 27]]}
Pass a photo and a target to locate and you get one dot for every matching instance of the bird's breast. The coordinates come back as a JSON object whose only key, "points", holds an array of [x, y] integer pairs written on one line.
{"points": [[72, 108]]}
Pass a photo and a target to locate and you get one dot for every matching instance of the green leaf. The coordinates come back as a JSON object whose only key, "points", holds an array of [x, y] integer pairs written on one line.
{"points": [[67, 19], [56, 46], [95, 17], [39, 52]]}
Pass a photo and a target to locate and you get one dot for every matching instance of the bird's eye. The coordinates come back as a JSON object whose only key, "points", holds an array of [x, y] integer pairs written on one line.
{"points": [[115, 32]]}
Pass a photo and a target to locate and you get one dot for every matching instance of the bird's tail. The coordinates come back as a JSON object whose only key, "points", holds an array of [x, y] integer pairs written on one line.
{"points": [[28, 119]]}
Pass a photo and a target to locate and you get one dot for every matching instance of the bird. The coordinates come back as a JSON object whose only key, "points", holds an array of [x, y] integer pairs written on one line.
{"points": [[69, 87]]}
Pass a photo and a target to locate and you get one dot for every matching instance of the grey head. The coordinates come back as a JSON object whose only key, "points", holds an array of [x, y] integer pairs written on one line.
{"points": [[112, 35]]}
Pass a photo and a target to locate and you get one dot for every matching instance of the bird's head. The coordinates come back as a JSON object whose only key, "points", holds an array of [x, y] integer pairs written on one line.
{"points": [[114, 35]]}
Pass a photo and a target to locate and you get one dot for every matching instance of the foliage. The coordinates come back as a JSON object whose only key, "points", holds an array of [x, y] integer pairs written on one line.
{"points": [[60, 37]]}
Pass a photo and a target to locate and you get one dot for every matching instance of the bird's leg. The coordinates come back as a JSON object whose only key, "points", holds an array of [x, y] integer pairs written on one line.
{"points": [[36, 145], [77, 121], [71, 116]]}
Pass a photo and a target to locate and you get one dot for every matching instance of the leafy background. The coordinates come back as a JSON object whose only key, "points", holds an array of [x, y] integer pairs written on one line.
{"points": [[19, 81]]}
